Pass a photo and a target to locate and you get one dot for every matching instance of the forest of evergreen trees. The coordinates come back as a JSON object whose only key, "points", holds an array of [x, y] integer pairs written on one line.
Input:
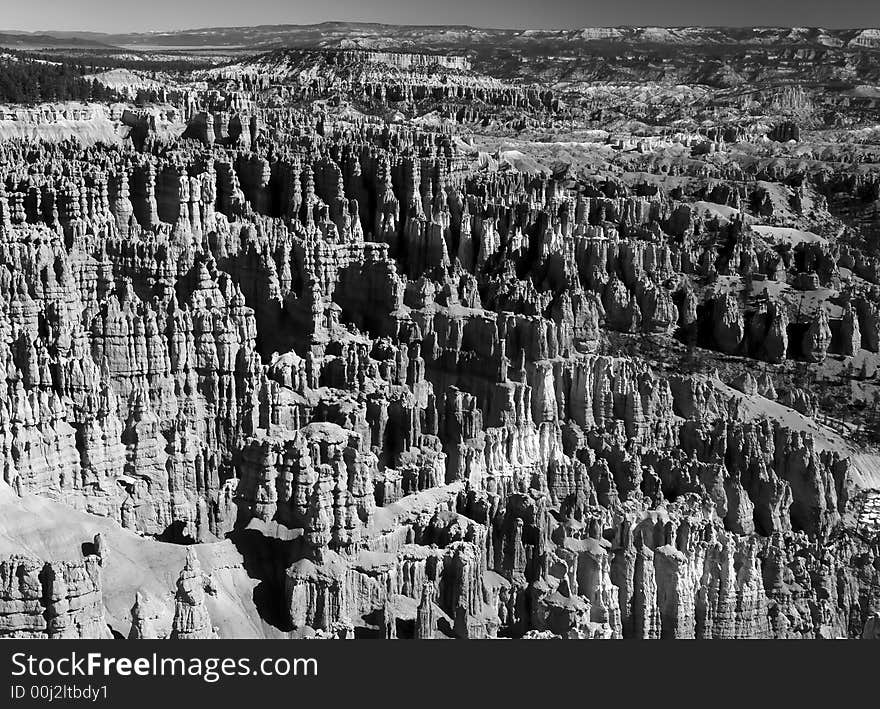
{"points": [[30, 81], [101, 60]]}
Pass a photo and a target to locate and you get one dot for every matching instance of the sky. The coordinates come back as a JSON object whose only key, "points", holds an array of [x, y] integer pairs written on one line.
{"points": [[145, 15]]}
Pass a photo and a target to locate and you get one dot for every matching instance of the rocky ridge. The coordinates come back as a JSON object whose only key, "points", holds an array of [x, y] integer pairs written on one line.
{"points": [[397, 375]]}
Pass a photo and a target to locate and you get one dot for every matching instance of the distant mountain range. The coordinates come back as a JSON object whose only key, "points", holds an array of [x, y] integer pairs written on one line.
{"points": [[452, 37], [32, 40]]}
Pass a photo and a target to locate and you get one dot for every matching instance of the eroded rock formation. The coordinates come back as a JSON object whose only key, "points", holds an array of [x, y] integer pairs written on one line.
{"points": [[429, 390]]}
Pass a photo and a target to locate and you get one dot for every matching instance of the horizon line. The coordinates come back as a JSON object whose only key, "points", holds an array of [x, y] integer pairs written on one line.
{"points": [[432, 25]]}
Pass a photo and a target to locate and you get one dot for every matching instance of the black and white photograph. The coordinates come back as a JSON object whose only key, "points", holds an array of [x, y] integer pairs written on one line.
{"points": [[437, 321]]}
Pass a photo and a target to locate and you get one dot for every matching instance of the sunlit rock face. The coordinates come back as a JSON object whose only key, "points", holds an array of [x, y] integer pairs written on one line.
{"points": [[353, 341]]}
